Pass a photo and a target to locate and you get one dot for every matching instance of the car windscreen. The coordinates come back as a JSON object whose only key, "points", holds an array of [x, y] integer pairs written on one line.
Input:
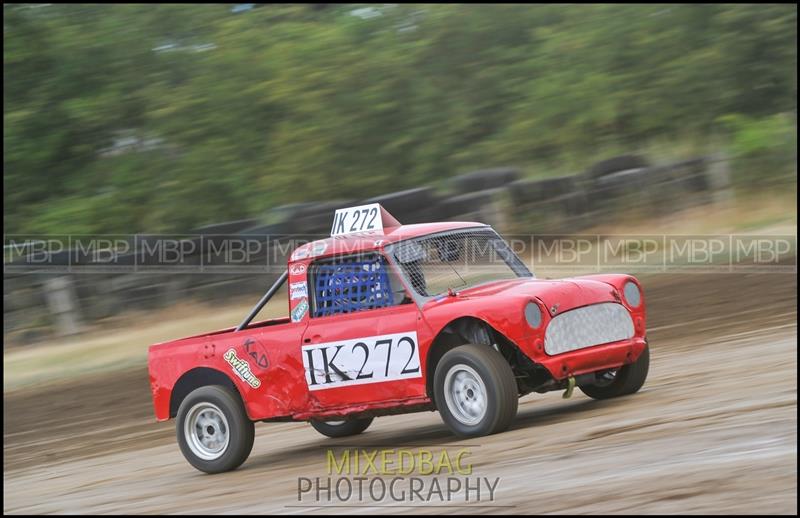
{"points": [[458, 259]]}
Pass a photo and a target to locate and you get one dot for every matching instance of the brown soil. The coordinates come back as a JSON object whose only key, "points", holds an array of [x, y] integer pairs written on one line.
{"points": [[714, 430]]}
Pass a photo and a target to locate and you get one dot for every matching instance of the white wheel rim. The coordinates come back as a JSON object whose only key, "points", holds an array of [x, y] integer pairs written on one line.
{"points": [[465, 394], [206, 431], [607, 378], [335, 423]]}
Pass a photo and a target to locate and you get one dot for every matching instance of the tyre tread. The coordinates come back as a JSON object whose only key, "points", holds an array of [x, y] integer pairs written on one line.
{"points": [[629, 380], [501, 376], [241, 428], [349, 428]]}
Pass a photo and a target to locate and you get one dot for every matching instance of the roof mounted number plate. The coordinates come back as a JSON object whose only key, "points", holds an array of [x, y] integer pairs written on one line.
{"points": [[362, 218]]}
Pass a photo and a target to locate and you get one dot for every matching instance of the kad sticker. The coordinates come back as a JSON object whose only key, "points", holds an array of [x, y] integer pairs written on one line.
{"points": [[300, 310], [297, 269], [254, 350], [241, 368], [362, 360], [298, 290]]}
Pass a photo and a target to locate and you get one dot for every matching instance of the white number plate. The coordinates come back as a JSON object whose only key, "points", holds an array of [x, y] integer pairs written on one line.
{"points": [[363, 218], [362, 360]]}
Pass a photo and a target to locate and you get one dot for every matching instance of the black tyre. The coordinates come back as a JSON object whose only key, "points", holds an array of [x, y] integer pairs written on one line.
{"points": [[484, 179], [343, 428], [627, 379], [467, 203], [214, 432], [617, 163], [407, 205], [475, 391]]}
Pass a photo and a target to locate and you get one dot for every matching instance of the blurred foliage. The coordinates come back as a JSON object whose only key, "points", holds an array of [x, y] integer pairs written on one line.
{"points": [[125, 118], [765, 146]]}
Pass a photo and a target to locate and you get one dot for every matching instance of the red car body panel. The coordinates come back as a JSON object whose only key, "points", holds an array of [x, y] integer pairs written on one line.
{"points": [[368, 241], [273, 348]]}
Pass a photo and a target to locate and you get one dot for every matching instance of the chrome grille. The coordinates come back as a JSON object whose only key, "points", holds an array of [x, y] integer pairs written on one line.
{"points": [[587, 326]]}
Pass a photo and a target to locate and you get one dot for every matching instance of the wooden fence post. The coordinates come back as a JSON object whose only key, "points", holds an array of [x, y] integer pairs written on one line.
{"points": [[63, 304]]}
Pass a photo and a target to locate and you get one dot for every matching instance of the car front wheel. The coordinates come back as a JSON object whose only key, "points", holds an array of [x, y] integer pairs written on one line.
{"points": [[475, 391], [620, 382], [214, 432]]}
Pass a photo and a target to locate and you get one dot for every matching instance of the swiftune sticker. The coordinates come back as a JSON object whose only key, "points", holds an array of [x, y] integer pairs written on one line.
{"points": [[241, 368]]}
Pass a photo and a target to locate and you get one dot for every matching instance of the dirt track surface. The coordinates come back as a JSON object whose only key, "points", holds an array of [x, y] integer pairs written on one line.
{"points": [[714, 430]]}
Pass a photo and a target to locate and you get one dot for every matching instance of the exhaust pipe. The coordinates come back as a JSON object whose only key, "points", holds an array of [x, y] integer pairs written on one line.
{"points": [[570, 387]]}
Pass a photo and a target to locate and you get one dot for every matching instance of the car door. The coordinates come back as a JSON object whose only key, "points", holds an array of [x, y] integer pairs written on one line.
{"points": [[361, 344]]}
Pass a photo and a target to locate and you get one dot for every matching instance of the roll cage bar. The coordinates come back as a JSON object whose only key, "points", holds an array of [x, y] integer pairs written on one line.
{"points": [[261, 303]]}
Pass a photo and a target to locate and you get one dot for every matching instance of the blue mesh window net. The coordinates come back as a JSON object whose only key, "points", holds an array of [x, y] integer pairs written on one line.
{"points": [[350, 284]]}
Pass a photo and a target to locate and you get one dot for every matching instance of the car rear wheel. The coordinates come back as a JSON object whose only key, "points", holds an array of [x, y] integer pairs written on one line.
{"points": [[342, 428], [625, 380], [214, 432], [475, 391]]}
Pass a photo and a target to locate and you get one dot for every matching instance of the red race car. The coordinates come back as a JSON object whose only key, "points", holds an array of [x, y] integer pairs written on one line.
{"points": [[387, 318]]}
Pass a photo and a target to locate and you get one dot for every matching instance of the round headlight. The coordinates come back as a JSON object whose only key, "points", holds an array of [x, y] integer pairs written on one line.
{"points": [[632, 294], [533, 315]]}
